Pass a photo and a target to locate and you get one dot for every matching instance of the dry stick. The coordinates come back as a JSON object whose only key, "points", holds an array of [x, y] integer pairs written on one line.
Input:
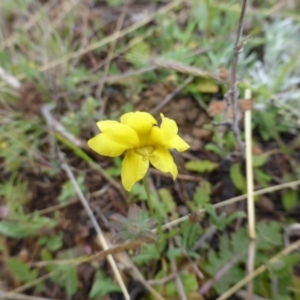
{"points": [[74, 201], [233, 84], [95, 224], [171, 95], [108, 61], [106, 40], [250, 197], [16, 296], [178, 282], [219, 275], [271, 189], [30, 284], [185, 253], [259, 270], [145, 283], [249, 170], [9, 79], [250, 266]]}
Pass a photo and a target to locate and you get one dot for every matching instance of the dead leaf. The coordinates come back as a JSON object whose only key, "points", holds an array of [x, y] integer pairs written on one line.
{"points": [[217, 107]]}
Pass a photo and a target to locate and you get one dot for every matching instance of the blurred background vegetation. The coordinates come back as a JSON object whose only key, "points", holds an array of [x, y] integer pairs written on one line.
{"points": [[66, 65]]}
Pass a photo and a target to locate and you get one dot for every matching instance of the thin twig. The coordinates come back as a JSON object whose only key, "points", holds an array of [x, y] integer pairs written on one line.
{"points": [[186, 255], [100, 235], [9, 79], [55, 125], [250, 266], [271, 189], [16, 296], [233, 82], [249, 170], [259, 270], [163, 280], [178, 282], [218, 276]]}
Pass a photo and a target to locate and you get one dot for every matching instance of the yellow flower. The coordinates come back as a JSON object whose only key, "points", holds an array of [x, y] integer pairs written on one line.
{"points": [[143, 141]]}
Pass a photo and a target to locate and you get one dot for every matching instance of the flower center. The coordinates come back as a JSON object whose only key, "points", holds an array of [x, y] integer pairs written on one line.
{"points": [[146, 151]]}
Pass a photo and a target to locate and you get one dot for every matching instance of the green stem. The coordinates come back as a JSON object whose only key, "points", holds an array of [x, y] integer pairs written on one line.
{"points": [[148, 195]]}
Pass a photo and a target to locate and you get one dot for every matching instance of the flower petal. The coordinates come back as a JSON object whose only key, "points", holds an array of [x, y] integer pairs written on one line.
{"points": [[167, 136], [162, 160], [141, 122], [168, 125], [114, 139], [176, 142], [134, 168]]}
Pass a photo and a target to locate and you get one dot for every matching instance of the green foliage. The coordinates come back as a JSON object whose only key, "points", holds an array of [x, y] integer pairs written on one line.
{"points": [[114, 3], [102, 286], [189, 283], [289, 199], [201, 166], [238, 177], [260, 160], [116, 169], [66, 277], [147, 254], [14, 191], [52, 243], [21, 271], [268, 235], [231, 249], [139, 54], [202, 195], [26, 226], [190, 234], [167, 202], [222, 222], [68, 192], [83, 119], [19, 141]]}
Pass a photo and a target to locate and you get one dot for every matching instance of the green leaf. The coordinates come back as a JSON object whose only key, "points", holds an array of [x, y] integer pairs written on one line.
{"points": [[214, 148], [203, 85], [259, 160], [191, 232], [261, 177], [189, 283], [268, 235], [202, 195], [167, 200], [139, 54], [289, 199], [26, 227], [102, 286], [219, 221], [230, 249], [114, 3], [138, 190], [66, 277], [71, 281], [68, 192], [147, 254], [174, 253], [20, 270], [238, 178], [201, 166]]}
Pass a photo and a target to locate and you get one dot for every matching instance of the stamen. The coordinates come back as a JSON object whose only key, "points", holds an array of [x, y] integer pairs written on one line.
{"points": [[146, 151]]}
